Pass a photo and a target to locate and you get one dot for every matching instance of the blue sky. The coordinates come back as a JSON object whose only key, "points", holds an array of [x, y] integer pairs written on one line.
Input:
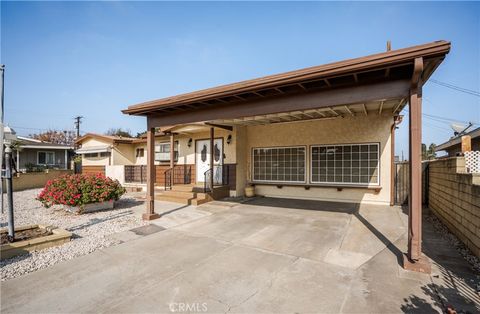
{"points": [[95, 58]]}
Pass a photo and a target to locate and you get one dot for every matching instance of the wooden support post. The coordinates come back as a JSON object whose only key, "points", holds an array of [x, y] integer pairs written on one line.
{"points": [[172, 151], [415, 260], [150, 212], [212, 150], [392, 163]]}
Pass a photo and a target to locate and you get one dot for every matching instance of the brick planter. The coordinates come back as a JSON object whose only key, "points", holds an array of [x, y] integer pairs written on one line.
{"points": [[88, 208]]}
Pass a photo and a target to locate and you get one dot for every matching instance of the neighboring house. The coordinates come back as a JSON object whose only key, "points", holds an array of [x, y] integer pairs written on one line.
{"points": [[453, 147], [32, 153]]}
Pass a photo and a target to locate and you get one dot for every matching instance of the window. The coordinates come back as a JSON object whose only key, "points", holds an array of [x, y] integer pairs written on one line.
{"points": [[105, 154], [279, 164], [91, 155], [162, 152], [140, 152], [46, 158], [345, 164]]}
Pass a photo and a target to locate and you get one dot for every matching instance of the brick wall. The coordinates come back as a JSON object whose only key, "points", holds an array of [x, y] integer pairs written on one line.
{"points": [[454, 197]]}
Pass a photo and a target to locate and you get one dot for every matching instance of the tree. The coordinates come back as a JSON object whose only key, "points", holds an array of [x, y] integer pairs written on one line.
{"points": [[118, 132], [56, 137], [429, 153]]}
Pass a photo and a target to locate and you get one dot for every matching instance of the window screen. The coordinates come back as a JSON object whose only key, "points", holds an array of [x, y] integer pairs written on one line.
{"points": [[345, 164], [279, 164]]}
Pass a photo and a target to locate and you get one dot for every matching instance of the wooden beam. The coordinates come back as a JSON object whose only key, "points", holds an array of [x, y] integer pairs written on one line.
{"points": [[172, 152], [381, 107], [414, 259], [365, 109], [327, 82], [334, 112], [312, 100], [301, 86], [399, 105], [355, 76], [150, 201], [387, 72], [349, 111], [225, 127]]}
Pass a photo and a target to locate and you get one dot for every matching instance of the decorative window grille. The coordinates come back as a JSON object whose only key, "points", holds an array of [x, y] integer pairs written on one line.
{"points": [[472, 161], [356, 164], [279, 164]]}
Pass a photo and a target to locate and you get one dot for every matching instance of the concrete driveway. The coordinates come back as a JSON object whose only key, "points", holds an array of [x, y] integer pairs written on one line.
{"points": [[264, 256]]}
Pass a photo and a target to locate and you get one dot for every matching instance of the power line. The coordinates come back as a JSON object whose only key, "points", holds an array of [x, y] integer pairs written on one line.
{"points": [[457, 88]]}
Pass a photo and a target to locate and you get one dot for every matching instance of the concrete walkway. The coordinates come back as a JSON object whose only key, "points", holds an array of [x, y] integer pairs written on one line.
{"points": [[267, 255]]}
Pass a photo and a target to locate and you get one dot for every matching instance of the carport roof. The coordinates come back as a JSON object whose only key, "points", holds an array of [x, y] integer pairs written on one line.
{"points": [[386, 66]]}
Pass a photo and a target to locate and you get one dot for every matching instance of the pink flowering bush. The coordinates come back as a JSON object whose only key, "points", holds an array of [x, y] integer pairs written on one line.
{"points": [[80, 189]]}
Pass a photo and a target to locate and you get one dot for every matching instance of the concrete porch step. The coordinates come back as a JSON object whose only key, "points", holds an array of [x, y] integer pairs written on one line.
{"points": [[183, 187]]}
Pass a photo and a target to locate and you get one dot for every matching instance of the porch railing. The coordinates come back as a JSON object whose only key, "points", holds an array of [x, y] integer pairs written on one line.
{"points": [[179, 174], [221, 177]]}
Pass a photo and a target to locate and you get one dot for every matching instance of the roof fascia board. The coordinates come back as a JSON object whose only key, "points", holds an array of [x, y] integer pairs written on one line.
{"points": [[314, 100]]}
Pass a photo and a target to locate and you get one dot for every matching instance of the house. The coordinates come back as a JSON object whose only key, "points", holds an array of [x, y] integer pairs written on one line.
{"points": [[324, 132], [32, 154], [453, 147]]}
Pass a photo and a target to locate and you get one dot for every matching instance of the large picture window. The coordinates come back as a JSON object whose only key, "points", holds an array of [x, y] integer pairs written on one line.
{"points": [[279, 164], [345, 164]]}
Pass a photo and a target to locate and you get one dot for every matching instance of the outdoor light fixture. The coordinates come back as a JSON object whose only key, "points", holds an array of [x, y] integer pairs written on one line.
{"points": [[189, 144], [229, 139]]}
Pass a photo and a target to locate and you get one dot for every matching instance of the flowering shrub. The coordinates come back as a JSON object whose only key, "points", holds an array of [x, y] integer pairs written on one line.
{"points": [[80, 189]]}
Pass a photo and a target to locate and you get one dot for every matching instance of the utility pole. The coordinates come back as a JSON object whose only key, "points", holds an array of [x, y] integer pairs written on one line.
{"points": [[2, 70], [78, 120]]}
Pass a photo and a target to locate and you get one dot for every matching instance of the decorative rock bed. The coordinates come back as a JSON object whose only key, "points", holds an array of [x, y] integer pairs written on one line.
{"points": [[90, 231]]}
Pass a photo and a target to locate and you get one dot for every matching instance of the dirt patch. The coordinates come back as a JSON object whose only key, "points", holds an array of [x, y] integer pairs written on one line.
{"points": [[28, 234]]}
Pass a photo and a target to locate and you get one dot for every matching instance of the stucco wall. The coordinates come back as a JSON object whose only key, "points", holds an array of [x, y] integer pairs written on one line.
{"points": [[454, 197], [123, 154], [348, 130], [24, 181], [95, 161]]}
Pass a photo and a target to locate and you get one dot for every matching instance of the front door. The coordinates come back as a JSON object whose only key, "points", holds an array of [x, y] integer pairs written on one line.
{"points": [[202, 159]]}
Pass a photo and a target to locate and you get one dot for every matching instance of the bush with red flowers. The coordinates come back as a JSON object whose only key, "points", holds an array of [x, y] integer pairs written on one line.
{"points": [[80, 189]]}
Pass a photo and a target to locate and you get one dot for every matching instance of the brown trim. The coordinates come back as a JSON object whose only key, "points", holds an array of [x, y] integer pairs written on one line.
{"points": [[335, 186], [383, 60], [313, 100]]}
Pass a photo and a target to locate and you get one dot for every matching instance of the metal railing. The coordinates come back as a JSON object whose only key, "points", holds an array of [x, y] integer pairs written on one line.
{"points": [[221, 177], [179, 174]]}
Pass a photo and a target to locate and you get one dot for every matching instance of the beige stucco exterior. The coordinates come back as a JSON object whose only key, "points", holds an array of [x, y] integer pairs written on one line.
{"points": [[348, 130], [373, 128]]}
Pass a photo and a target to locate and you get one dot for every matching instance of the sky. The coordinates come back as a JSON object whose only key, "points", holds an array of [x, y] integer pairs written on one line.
{"points": [[65, 59]]}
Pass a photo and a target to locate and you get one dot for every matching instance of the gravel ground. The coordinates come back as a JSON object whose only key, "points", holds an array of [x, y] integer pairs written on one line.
{"points": [[450, 237], [90, 231]]}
